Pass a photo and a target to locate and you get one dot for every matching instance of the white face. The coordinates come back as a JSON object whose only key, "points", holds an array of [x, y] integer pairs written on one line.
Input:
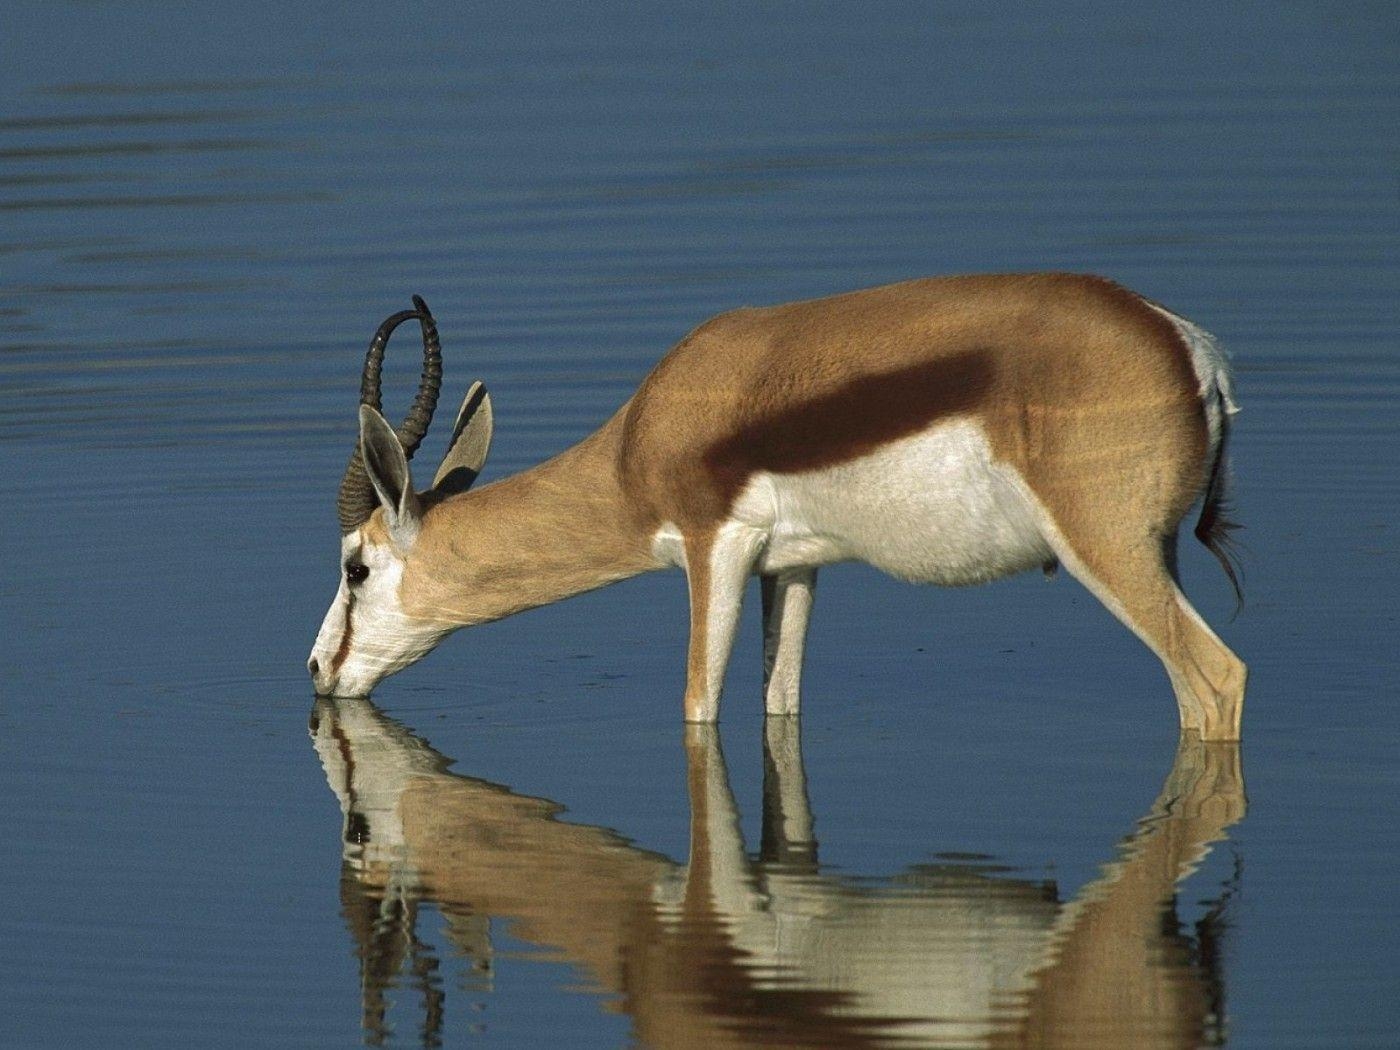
{"points": [[366, 636]]}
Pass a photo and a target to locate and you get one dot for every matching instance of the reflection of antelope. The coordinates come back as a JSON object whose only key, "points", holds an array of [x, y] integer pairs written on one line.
{"points": [[946, 431], [726, 951]]}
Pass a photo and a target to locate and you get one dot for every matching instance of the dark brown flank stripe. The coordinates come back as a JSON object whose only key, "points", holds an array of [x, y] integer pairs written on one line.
{"points": [[344, 650], [840, 426]]}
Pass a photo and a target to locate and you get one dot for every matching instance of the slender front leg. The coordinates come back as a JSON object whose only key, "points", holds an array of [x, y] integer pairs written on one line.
{"points": [[717, 566], [787, 606]]}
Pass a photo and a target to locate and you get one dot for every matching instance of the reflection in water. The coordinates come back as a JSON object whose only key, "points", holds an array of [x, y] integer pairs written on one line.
{"points": [[729, 950]]}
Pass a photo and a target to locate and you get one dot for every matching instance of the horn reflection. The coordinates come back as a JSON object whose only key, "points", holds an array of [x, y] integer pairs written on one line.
{"points": [[729, 950]]}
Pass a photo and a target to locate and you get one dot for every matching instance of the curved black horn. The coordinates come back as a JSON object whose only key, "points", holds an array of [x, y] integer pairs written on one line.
{"points": [[420, 414], [357, 499]]}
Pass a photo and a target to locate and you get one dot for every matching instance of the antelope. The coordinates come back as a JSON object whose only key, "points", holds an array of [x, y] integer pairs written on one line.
{"points": [[948, 430]]}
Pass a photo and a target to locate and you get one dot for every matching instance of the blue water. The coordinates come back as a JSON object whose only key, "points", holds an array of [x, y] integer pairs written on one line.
{"points": [[204, 214]]}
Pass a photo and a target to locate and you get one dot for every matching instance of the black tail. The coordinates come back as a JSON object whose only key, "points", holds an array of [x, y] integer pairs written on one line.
{"points": [[1215, 527]]}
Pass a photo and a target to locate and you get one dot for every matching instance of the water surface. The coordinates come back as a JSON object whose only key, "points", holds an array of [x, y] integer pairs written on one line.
{"points": [[202, 218]]}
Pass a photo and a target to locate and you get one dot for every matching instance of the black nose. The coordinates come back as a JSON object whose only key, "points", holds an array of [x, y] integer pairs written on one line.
{"points": [[313, 666]]}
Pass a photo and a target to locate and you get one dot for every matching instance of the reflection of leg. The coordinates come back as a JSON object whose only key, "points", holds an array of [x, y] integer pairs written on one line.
{"points": [[1201, 798], [717, 568], [787, 814], [718, 874], [1206, 785], [787, 606], [428, 981], [470, 934], [1118, 965]]}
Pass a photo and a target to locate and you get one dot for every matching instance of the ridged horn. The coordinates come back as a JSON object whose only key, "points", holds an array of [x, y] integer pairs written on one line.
{"points": [[357, 499]]}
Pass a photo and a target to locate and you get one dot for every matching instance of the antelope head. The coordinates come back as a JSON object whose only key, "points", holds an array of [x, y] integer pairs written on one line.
{"points": [[367, 634]]}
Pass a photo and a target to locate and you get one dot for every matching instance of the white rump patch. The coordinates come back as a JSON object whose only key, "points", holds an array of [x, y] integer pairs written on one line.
{"points": [[1208, 359], [1212, 368]]}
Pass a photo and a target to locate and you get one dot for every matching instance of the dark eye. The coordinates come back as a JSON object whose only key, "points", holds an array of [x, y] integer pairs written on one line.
{"points": [[356, 572]]}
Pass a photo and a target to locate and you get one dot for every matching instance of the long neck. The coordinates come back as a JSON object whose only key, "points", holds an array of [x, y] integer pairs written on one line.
{"points": [[556, 530]]}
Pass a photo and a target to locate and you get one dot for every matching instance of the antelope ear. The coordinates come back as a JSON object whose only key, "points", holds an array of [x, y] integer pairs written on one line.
{"points": [[469, 444], [387, 466]]}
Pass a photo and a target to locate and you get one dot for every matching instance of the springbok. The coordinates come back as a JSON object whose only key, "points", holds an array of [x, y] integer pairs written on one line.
{"points": [[947, 430]]}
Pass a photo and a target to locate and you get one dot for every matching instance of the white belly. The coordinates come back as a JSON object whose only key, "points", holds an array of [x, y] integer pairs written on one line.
{"points": [[932, 508]]}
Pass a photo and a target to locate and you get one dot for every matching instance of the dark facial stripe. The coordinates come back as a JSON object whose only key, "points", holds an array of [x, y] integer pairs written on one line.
{"points": [[344, 649]]}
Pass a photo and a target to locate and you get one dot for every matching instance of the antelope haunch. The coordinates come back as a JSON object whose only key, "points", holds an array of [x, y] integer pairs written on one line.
{"points": [[949, 430]]}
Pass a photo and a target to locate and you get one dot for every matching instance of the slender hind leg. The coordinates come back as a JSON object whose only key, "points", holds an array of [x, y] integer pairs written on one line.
{"points": [[787, 606], [1133, 579]]}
